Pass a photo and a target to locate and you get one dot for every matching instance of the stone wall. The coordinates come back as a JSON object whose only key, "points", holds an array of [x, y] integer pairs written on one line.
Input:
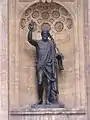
{"points": [[87, 52], [22, 55], [66, 22], [3, 59], [49, 114], [82, 73]]}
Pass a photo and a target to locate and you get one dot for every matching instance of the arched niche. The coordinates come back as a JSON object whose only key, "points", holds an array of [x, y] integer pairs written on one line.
{"points": [[65, 30], [60, 23]]}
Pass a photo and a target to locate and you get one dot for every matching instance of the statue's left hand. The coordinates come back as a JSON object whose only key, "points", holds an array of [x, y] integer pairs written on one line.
{"points": [[59, 56]]}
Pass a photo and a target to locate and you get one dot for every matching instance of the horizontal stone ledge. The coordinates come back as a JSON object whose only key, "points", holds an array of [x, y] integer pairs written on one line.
{"points": [[47, 0], [49, 111]]}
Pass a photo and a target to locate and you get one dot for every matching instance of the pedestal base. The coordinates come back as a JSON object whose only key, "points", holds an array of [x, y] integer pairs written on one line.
{"points": [[48, 114], [56, 105]]}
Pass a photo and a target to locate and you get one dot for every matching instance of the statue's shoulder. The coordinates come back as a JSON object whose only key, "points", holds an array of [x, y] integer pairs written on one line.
{"points": [[39, 41], [51, 42]]}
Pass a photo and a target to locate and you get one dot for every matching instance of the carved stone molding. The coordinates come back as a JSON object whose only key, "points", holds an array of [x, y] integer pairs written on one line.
{"points": [[66, 0], [25, 0], [46, 1]]}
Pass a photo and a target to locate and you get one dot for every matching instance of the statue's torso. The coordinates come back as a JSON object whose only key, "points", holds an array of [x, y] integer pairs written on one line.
{"points": [[43, 48], [44, 52]]}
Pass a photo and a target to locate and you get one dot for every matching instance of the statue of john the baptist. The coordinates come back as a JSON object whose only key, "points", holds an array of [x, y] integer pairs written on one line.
{"points": [[46, 65]]}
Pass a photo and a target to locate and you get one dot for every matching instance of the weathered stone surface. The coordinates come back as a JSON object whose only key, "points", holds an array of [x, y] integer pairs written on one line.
{"points": [[54, 111], [58, 105], [3, 60], [68, 39], [72, 82], [48, 113]]}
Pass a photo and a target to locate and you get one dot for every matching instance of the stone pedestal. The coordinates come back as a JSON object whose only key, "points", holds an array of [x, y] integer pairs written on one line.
{"points": [[57, 105], [48, 114]]}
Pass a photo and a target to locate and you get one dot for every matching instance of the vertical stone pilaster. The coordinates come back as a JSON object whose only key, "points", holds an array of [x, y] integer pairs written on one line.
{"points": [[3, 59], [87, 52]]}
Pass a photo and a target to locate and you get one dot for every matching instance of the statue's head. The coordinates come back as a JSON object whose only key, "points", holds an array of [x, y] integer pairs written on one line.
{"points": [[45, 34]]}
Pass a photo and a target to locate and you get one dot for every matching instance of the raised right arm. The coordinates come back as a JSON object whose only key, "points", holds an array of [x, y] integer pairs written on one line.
{"points": [[30, 40]]}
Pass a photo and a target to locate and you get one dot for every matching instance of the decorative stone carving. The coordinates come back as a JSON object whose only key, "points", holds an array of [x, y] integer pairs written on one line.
{"points": [[69, 23], [39, 20], [64, 11], [52, 6], [35, 14], [49, 1], [46, 1], [46, 25], [62, 19], [23, 23], [45, 7], [59, 26], [43, 1], [29, 18], [25, 0], [28, 11], [51, 21], [40, 7], [55, 15], [45, 15]]}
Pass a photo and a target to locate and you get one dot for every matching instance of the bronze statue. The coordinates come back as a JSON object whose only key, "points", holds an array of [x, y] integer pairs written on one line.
{"points": [[46, 65]]}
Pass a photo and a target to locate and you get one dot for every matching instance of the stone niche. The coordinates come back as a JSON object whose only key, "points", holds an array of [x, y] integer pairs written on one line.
{"points": [[60, 23], [65, 21]]}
